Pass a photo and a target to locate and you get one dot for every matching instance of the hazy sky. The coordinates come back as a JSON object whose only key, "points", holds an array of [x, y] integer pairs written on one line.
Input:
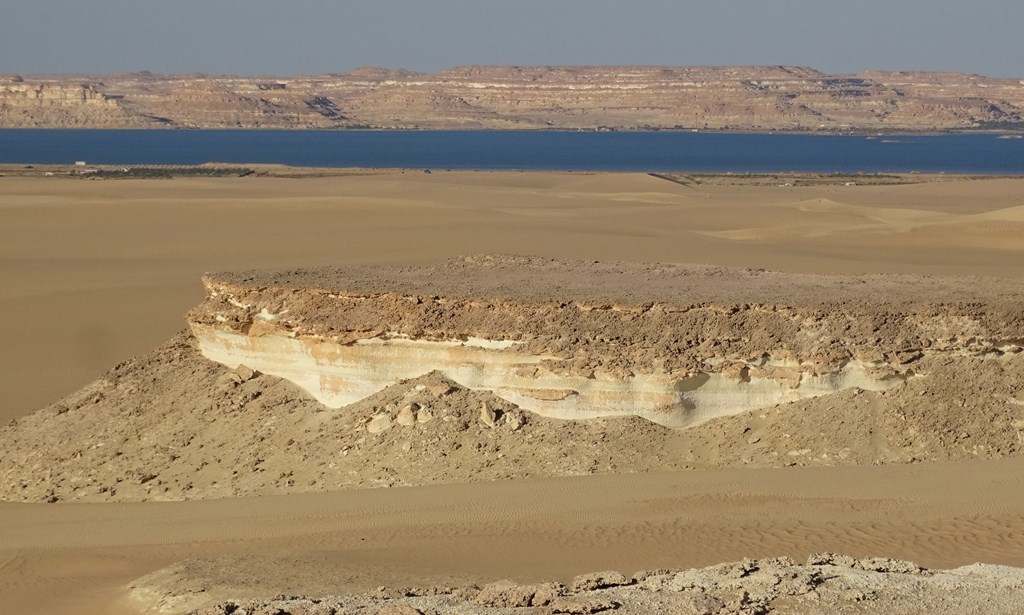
{"points": [[317, 36]]}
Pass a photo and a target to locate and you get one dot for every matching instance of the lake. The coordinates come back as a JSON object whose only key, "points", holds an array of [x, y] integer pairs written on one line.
{"points": [[527, 150]]}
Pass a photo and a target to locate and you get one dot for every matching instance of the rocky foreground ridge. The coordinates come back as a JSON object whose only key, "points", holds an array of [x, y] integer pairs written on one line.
{"points": [[327, 379], [780, 98], [826, 583]]}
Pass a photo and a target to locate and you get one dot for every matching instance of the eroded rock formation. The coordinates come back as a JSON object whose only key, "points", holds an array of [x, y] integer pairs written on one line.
{"points": [[512, 97], [763, 369], [578, 341]]}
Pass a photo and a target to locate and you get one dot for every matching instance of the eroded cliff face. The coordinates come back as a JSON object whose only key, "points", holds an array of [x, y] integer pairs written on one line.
{"points": [[62, 105], [339, 374], [512, 97], [677, 360]]}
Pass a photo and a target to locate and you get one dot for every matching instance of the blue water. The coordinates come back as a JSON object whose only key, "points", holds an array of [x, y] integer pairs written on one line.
{"points": [[593, 151]]}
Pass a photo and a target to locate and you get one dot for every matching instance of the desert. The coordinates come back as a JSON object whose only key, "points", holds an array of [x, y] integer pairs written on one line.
{"points": [[382, 391]]}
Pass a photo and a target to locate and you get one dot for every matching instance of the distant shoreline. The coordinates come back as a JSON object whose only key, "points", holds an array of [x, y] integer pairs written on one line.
{"points": [[258, 170]]}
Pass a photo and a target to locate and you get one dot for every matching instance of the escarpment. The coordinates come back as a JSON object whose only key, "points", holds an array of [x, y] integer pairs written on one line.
{"points": [[672, 344], [777, 98], [43, 104]]}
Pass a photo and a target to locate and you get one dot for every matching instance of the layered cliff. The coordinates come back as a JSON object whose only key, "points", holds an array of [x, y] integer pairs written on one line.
{"points": [[674, 345], [63, 104], [512, 97]]}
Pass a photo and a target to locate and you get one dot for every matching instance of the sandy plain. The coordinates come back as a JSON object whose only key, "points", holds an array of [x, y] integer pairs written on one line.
{"points": [[92, 272]]}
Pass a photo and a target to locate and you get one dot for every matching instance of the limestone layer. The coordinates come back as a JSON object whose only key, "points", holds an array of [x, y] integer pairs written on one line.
{"points": [[677, 345], [513, 97]]}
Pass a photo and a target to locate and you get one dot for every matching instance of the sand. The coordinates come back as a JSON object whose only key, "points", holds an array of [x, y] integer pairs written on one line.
{"points": [[93, 272], [79, 557]]}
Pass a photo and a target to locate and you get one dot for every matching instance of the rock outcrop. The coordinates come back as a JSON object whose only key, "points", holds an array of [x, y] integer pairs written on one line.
{"points": [[827, 583], [172, 425], [511, 97], [674, 345]]}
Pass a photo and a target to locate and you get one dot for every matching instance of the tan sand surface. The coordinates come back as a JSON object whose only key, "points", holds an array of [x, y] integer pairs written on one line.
{"points": [[78, 557], [92, 272]]}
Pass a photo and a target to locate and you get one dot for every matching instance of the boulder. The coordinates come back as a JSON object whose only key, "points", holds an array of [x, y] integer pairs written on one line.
{"points": [[407, 415], [599, 580], [582, 605], [246, 373], [487, 416], [379, 423]]}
